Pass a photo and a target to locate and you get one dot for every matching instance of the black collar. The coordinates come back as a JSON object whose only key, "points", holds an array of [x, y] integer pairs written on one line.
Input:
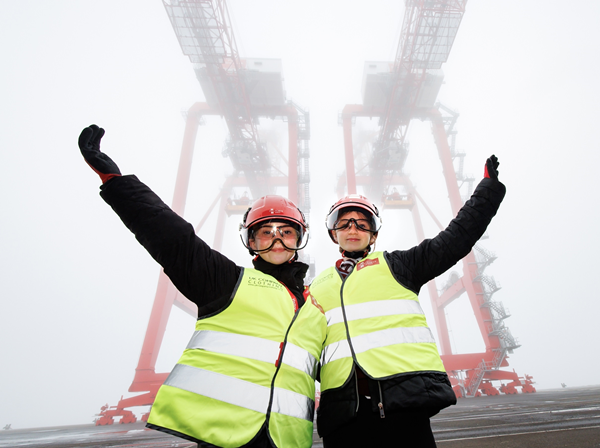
{"points": [[290, 274], [356, 255]]}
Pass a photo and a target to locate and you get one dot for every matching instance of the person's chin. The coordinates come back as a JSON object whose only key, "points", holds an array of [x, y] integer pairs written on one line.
{"points": [[353, 248]]}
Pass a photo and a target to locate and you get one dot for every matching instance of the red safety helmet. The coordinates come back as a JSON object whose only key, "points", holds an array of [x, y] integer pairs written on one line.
{"points": [[274, 208], [353, 202]]}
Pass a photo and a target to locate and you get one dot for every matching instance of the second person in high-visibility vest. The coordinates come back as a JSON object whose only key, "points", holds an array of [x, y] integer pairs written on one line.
{"points": [[381, 376], [247, 376]]}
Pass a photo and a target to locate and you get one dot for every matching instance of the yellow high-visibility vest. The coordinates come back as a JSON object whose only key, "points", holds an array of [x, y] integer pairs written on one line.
{"points": [[253, 361], [374, 321]]}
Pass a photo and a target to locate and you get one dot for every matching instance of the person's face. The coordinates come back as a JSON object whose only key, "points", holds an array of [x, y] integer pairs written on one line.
{"points": [[353, 239], [275, 231]]}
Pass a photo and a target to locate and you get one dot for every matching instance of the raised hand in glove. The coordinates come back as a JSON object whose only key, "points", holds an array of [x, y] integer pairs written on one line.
{"points": [[491, 167], [89, 144]]}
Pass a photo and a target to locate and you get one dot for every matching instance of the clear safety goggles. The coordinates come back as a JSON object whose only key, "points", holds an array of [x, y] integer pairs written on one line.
{"points": [[360, 224], [270, 232], [292, 237], [371, 224]]}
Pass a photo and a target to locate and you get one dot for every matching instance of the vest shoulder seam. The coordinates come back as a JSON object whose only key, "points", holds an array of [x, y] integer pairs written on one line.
{"points": [[385, 257], [230, 300]]}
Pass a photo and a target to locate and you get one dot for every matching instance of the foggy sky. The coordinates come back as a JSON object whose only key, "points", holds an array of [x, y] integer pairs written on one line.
{"points": [[77, 288]]}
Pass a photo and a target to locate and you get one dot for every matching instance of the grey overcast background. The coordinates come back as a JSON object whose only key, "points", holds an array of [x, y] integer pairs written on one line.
{"points": [[77, 288]]}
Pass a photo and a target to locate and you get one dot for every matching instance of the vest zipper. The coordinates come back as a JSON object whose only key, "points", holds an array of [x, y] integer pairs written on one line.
{"points": [[380, 404], [356, 387], [282, 346]]}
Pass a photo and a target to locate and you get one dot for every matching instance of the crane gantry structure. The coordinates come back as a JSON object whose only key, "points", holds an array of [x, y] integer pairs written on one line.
{"points": [[241, 91], [398, 92]]}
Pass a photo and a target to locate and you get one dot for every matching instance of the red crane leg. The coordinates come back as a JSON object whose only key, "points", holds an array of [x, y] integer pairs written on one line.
{"points": [[185, 162], [349, 150], [470, 269], [474, 290], [145, 378], [441, 142], [225, 192], [293, 155], [438, 313]]}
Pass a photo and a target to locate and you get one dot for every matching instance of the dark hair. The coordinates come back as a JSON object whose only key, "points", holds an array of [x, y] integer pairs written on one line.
{"points": [[346, 210]]}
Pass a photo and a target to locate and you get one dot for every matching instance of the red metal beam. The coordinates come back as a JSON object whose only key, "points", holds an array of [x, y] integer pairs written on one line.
{"points": [[470, 268], [349, 152], [466, 361], [146, 379], [452, 293], [439, 318], [293, 155]]}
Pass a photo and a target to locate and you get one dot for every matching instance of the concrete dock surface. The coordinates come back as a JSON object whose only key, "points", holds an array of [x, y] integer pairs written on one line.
{"points": [[568, 417]]}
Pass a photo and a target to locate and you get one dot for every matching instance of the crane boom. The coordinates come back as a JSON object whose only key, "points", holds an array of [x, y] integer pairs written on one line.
{"points": [[397, 93], [428, 31], [241, 91], [203, 29]]}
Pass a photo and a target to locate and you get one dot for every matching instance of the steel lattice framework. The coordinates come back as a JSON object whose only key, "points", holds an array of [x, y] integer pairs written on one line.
{"points": [[398, 93], [203, 29], [428, 32], [406, 90]]}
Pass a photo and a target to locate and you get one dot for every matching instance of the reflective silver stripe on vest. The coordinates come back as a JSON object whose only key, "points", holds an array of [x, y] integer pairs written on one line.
{"points": [[293, 404], [252, 347], [377, 339], [239, 392], [373, 309], [300, 359]]}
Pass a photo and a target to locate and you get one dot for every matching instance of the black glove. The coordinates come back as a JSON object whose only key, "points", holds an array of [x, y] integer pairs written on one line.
{"points": [[89, 144], [491, 167]]}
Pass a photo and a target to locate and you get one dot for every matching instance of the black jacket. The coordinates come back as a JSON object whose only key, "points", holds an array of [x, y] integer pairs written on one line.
{"points": [[427, 392], [201, 274]]}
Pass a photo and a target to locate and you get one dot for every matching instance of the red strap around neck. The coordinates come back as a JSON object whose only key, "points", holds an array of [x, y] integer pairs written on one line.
{"points": [[294, 299]]}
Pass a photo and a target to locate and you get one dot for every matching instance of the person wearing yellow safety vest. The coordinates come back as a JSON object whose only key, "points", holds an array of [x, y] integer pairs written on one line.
{"points": [[247, 376], [381, 374]]}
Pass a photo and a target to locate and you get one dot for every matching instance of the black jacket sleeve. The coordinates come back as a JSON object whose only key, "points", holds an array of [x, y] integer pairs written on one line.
{"points": [[415, 267], [203, 275]]}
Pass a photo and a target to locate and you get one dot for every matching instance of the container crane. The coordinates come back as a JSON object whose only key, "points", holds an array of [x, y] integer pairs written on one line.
{"points": [[398, 92], [241, 91]]}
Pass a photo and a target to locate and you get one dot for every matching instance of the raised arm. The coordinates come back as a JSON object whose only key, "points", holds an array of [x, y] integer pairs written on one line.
{"points": [[203, 275], [432, 257]]}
